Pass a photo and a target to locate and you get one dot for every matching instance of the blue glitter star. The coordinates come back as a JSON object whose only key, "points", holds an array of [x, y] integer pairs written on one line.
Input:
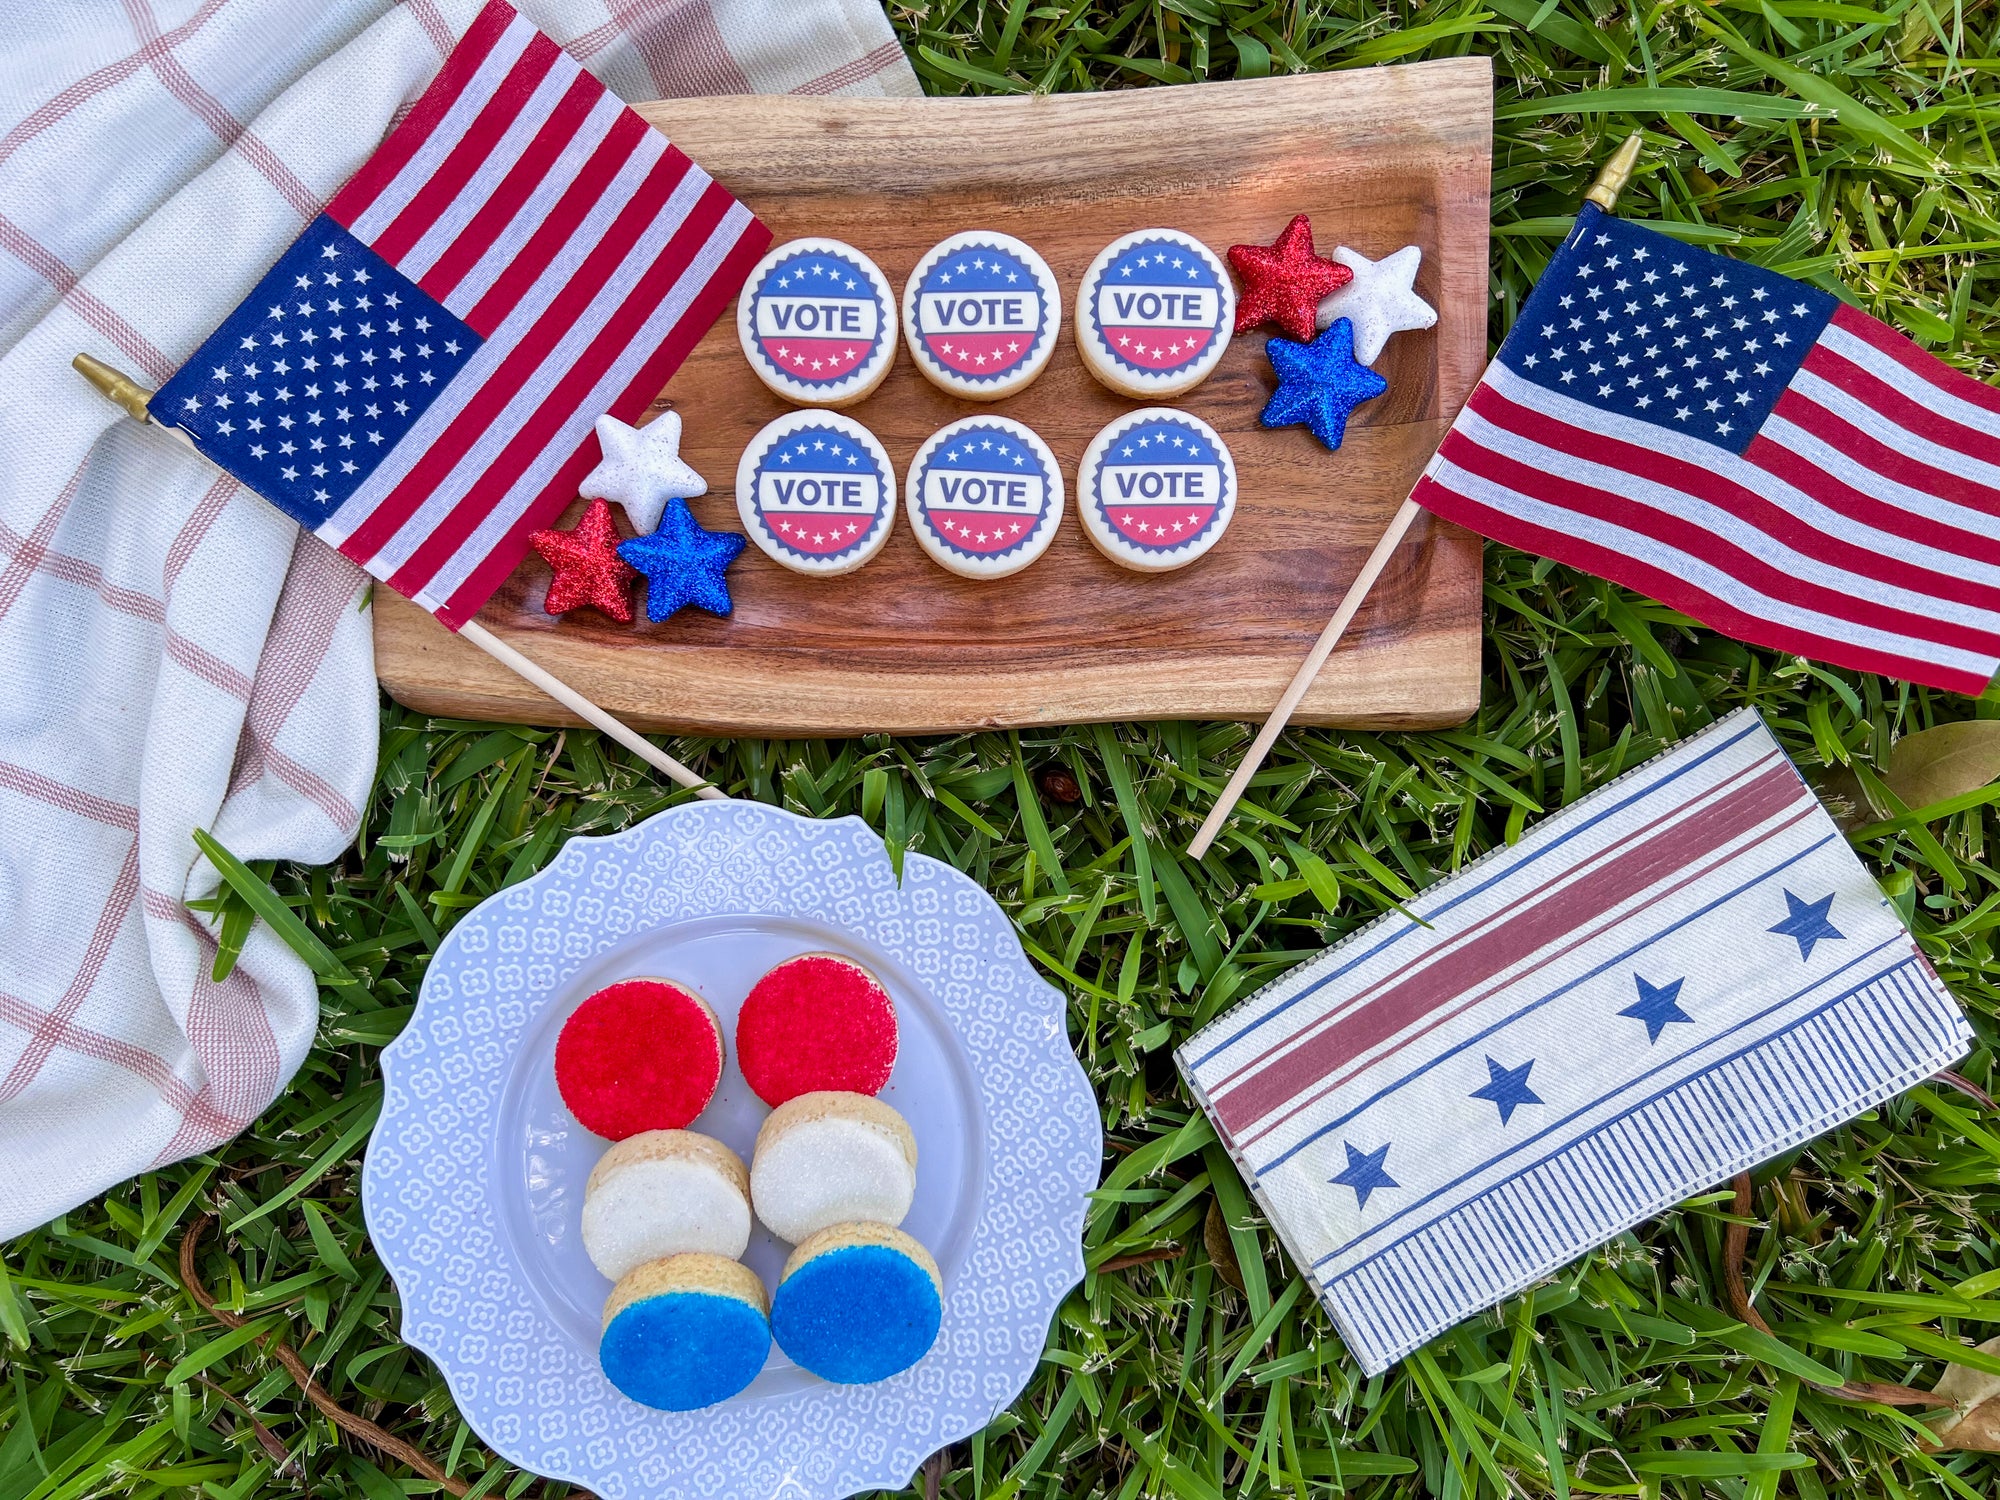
{"points": [[1658, 1006], [683, 563], [1507, 1088], [1364, 1173], [1319, 383], [1807, 923]]}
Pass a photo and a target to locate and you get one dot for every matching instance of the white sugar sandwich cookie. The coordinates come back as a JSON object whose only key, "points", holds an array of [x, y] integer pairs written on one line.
{"points": [[985, 496], [661, 1193], [981, 313], [816, 492], [1154, 313], [817, 320], [1156, 490], [832, 1158]]}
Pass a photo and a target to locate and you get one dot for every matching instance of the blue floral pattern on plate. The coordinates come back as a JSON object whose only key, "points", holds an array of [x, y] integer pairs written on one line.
{"points": [[474, 1173]]}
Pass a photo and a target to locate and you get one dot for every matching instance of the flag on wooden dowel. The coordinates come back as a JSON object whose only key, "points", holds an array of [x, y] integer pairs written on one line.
{"points": [[1747, 448], [1672, 980], [417, 377]]}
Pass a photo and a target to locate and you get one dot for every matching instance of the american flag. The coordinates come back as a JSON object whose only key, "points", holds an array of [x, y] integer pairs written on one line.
{"points": [[1673, 979], [417, 377], [1744, 447]]}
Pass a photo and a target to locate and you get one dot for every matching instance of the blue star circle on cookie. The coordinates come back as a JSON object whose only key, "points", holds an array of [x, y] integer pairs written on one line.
{"points": [[683, 563], [1319, 383]]}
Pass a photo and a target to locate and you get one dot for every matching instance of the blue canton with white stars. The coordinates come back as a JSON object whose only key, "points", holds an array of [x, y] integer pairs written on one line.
{"points": [[311, 382], [1630, 321]]}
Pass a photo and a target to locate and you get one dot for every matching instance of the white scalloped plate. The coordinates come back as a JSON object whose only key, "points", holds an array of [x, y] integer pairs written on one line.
{"points": [[475, 1173]]}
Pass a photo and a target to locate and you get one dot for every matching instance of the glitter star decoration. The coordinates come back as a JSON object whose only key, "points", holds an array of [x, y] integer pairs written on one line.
{"points": [[1379, 301], [1319, 384], [589, 571], [1284, 282], [642, 469], [683, 563]]}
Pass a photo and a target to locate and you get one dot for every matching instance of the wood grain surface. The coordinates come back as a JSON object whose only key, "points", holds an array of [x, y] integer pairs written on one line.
{"points": [[1379, 157]]}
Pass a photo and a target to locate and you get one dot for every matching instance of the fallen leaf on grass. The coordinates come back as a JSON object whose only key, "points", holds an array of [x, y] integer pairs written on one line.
{"points": [[1948, 761], [1221, 1252], [1972, 1424]]}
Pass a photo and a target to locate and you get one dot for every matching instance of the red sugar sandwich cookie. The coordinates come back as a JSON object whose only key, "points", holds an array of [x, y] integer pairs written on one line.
{"points": [[816, 1022], [642, 1054]]}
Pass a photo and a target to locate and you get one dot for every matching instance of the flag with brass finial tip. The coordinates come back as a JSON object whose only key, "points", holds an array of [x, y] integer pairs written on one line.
{"points": [[1751, 449]]}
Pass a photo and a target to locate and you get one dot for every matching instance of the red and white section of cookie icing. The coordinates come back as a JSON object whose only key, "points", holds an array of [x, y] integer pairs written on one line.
{"points": [[642, 1054], [816, 1022]]}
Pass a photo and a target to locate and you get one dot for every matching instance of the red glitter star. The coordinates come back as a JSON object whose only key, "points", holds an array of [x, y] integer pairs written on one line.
{"points": [[1284, 282], [589, 570]]}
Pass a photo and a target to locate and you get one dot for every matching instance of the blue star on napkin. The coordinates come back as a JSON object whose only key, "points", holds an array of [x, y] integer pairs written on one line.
{"points": [[683, 563], [1319, 383]]}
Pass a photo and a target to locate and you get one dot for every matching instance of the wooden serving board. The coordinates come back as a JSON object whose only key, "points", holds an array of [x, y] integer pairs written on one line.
{"points": [[1380, 158]]}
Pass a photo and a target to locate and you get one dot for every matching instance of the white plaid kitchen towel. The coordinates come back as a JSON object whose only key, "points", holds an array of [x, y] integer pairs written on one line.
{"points": [[1677, 977], [174, 654]]}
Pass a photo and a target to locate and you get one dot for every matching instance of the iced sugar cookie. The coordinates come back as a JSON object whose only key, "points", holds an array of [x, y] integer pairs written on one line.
{"points": [[985, 496], [857, 1303], [816, 492], [1154, 313], [980, 314], [685, 1332], [818, 1021], [662, 1193], [643, 1054], [1156, 489], [817, 320], [832, 1158]]}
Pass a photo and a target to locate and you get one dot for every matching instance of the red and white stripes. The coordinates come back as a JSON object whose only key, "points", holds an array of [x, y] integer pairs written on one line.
{"points": [[1860, 527], [584, 249]]}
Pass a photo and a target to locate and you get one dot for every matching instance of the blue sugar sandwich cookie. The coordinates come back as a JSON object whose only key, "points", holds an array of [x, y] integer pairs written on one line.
{"points": [[685, 1332], [858, 1303]]}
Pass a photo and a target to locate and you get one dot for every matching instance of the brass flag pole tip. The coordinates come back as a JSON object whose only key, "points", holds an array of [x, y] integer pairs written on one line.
{"points": [[116, 385], [1615, 173]]}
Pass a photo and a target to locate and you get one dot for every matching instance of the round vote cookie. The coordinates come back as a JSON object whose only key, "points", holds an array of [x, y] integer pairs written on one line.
{"points": [[661, 1193], [858, 1303], [985, 496], [1156, 489], [817, 320], [1154, 313], [831, 1158], [816, 492], [642, 1054], [685, 1332], [818, 1021], [980, 314]]}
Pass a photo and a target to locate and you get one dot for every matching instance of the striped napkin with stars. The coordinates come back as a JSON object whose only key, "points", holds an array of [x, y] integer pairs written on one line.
{"points": [[1670, 981]]}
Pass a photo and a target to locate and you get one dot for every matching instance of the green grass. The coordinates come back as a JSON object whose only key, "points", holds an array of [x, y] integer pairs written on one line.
{"points": [[1828, 138]]}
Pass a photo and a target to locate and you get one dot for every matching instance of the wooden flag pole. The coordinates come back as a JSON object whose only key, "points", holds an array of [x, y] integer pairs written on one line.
{"points": [[1604, 193], [133, 398]]}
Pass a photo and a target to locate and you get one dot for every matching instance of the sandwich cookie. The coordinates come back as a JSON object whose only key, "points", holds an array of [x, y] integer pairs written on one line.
{"points": [[643, 1054], [832, 1158], [980, 314], [818, 1021], [817, 321], [1154, 314], [1156, 490], [816, 492], [857, 1303], [662, 1193], [985, 496], [685, 1332]]}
